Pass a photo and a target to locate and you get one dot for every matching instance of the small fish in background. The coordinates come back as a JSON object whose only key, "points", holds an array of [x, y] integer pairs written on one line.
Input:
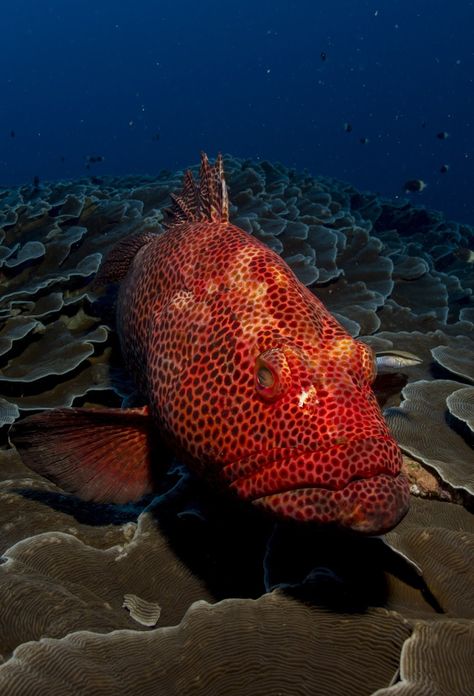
{"points": [[156, 137], [414, 186], [323, 55], [363, 141], [36, 182], [444, 168], [62, 159], [442, 135], [388, 360], [96, 180], [423, 124], [348, 127], [245, 374], [12, 134]]}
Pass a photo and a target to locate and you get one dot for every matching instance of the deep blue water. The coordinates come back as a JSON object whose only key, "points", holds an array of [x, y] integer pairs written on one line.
{"points": [[101, 77]]}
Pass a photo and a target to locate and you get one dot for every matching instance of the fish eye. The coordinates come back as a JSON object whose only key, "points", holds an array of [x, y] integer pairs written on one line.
{"points": [[265, 377], [272, 377], [267, 382]]}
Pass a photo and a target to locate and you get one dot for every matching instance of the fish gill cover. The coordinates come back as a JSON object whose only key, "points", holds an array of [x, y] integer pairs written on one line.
{"points": [[186, 590]]}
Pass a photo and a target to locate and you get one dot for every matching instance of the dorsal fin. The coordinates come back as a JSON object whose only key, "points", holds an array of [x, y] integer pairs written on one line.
{"points": [[206, 202]]}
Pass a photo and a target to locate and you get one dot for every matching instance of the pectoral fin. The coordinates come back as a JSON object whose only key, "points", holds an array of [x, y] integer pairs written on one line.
{"points": [[101, 454]]}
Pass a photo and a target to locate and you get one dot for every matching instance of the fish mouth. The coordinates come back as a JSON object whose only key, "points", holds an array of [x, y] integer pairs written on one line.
{"points": [[355, 485], [370, 506]]}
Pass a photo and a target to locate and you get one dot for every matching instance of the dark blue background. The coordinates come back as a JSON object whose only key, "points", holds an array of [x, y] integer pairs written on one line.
{"points": [[82, 77]]}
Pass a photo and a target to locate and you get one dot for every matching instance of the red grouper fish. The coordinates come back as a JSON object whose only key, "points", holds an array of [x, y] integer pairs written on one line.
{"points": [[247, 377]]}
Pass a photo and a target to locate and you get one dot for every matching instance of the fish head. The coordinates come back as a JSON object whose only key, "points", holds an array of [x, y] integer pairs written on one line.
{"points": [[316, 445], [268, 393], [322, 450]]}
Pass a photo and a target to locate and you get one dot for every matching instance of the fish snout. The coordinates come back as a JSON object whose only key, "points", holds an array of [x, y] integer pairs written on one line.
{"points": [[368, 506], [355, 484], [331, 467]]}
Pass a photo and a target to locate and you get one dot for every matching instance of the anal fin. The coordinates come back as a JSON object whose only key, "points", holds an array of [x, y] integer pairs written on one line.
{"points": [[101, 454]]}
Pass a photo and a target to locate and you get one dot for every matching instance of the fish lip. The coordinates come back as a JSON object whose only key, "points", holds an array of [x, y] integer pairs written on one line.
{"points": [[351, 514], [283, 453], [277, 453], [298, 487]]}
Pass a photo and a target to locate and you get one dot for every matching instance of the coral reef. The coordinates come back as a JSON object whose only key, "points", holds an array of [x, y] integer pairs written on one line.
{"points": [[188, 593]]}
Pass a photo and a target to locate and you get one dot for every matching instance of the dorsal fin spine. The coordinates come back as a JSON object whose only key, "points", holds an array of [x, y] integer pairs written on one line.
{"points": [[206, 202]]}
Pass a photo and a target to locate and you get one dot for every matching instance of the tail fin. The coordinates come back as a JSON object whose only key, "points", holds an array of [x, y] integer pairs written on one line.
{"points": [[207, 201]]}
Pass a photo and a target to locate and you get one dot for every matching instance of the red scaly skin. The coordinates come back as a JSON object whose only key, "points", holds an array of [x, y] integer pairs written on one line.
{"points": [[254, 383]]}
